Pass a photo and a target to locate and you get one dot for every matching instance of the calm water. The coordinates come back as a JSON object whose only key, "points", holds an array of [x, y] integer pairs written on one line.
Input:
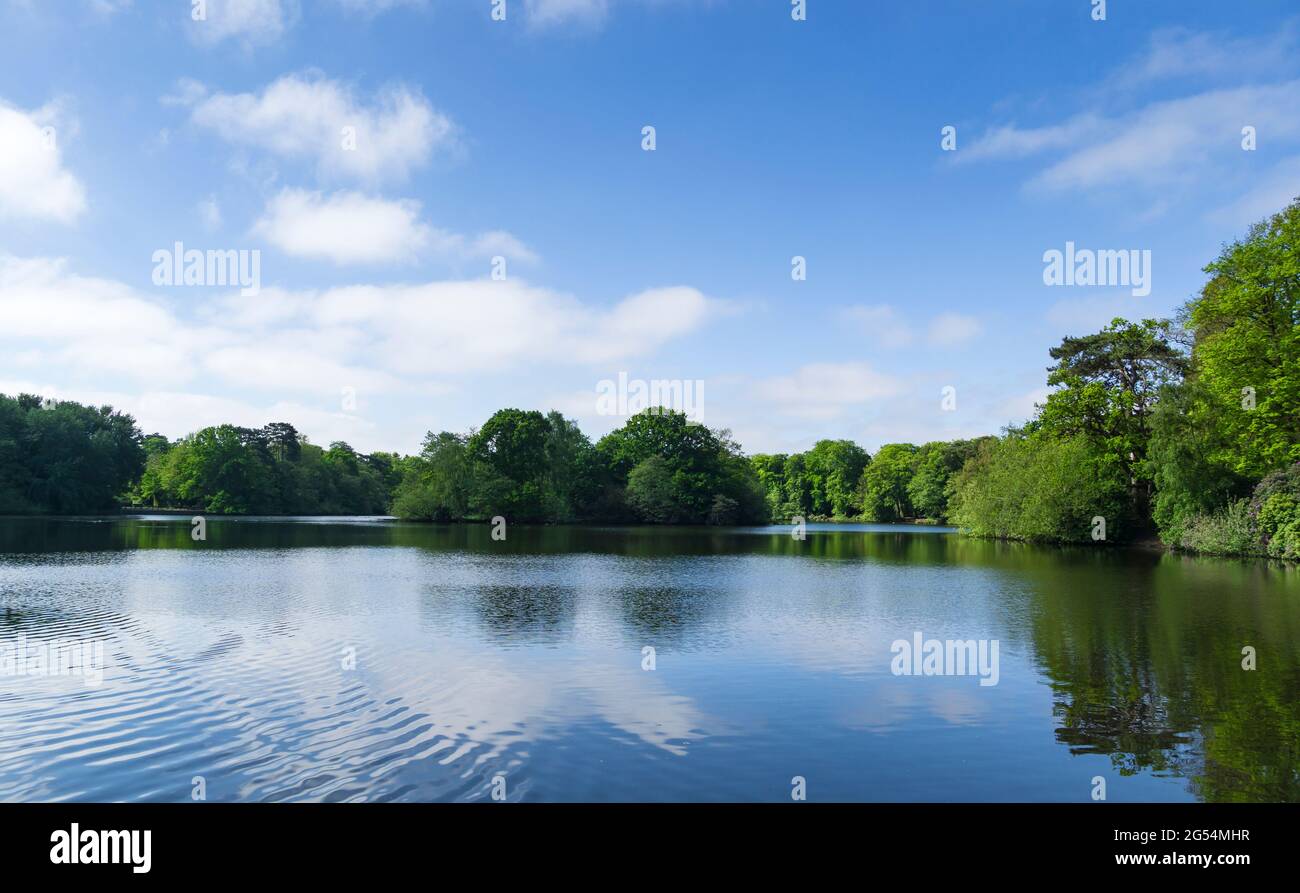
{"points": [[228, 659]]}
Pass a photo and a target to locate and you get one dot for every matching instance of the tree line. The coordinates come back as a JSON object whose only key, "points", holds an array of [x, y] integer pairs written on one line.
{"points": [[1187, 429]]}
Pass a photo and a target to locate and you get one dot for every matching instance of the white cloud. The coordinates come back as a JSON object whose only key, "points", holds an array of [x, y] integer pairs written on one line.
{"points": [[210, 213], [346, 227], [351, 228], [253, 22], [1010, 141], [84, 322], [39, 298], [886, 327], [1167, 142], [1175, 53], [376, 338], [374, 7], [553, 12], [309, 117], [445, 328], [34, 185], [881, 323], [489, 244], [949, 329], [826, 390]]}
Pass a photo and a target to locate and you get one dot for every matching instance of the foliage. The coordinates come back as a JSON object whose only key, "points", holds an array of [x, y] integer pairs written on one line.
{"points": [[272, 470], [694, 466], [510, 465], [65, 458], [933, 468], [883, 488], [1041, 488], [1246, 332], [821, 483], [1191, 426], [1225, 531], [1184, 459]]}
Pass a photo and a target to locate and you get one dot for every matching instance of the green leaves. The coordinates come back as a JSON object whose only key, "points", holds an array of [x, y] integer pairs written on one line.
{"points": [[65, 458], [1246, 324], [1041, 488], [883, 487]]}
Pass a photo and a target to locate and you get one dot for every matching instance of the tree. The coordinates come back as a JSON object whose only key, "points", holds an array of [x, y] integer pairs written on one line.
{"points": [[1108, 383], [834, 468], [1042, 488], [573, 480], [1245, 325], [883, 487], [437, 484], [509, 453], [697, 465], [216, 470], [1187, 459], [656, 493], [64, 458], [282, 439], [935, 464]]}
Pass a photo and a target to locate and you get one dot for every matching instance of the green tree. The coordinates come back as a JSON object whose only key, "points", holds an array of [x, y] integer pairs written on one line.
{"points": [[658, 494], [1107, 387], [1245, 325], [509, 453], [1041, 488], [1187, 459], [834, 469], [64, 458], [436, 485], [883, 487], [935, 465]]}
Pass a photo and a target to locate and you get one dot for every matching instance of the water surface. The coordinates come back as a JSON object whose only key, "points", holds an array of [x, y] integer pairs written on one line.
{"points": [[366, 659]]}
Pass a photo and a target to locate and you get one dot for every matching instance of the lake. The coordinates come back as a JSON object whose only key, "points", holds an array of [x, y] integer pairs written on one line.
{"points": [[334, 659]]}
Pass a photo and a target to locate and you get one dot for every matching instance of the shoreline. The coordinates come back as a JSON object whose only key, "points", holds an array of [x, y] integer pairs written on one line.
{"points": [[1145, 544]]}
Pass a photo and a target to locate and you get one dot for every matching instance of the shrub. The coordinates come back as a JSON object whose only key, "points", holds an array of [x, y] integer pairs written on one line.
{"points": [[1228, 531], [1042, 489]]}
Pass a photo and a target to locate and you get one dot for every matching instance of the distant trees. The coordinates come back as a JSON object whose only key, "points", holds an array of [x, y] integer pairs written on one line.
{"points": [[1188, 428], [884, 485], [930, 489], [822, 482], [659, 468], [272, 470], [64, 458], [435, 485], [838, 479]]}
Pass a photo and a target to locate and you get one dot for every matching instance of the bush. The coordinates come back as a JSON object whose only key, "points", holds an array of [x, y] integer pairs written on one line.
{"points": [[1266, 524], [1228, 531], [1278, 526], [1041, 489]]}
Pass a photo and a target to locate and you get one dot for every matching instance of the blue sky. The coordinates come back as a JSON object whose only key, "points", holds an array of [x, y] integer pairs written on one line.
{"points": [[126, 126]]}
